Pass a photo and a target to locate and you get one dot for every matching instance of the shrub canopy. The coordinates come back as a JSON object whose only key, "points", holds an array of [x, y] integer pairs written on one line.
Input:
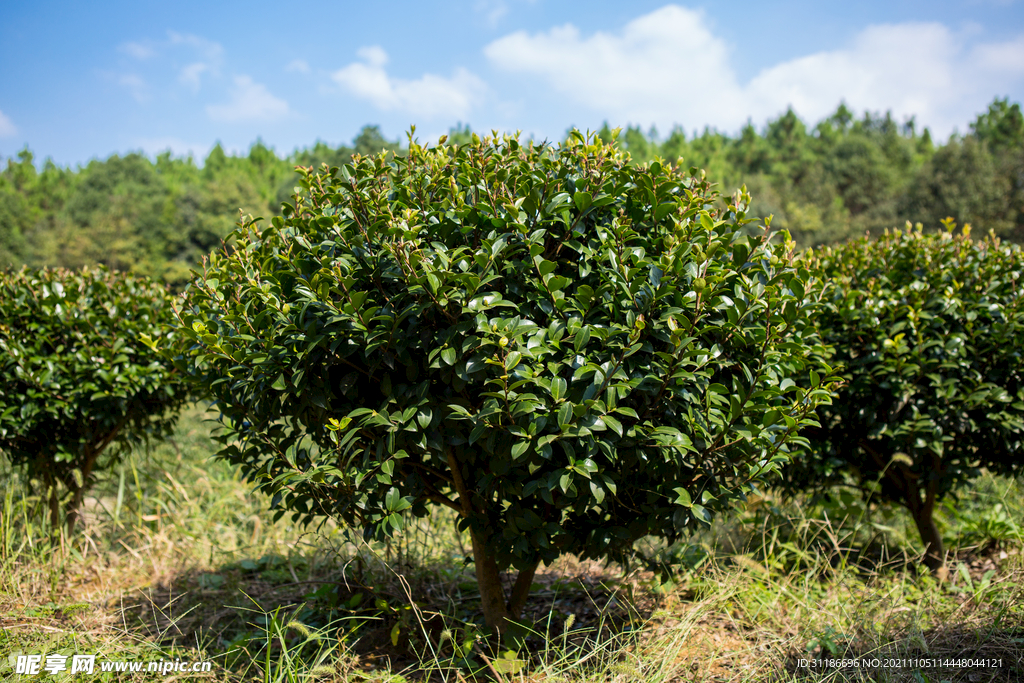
{"points": [[569, 350], [930, 329], [78, 375]]}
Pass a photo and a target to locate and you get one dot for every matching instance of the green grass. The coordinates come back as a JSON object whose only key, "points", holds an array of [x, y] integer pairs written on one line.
{"points": [[178, 559]]}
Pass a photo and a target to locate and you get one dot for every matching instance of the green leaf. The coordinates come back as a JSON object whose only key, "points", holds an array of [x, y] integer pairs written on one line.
{"points": [[557, 283], [701, 514], [546, 267], [434, 283], [683, 497], [664, 210], [558, 387], [585, 295], [565, 415], [612, 424], [581, 338], [557, 201]]}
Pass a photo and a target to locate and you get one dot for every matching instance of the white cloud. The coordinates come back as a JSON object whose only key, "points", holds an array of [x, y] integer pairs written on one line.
{"points": [[208, 49], [428, 96], [652, 71], [1007, 57], [210, 56], [492, 10], [7, 127], [373, 54], [191, 75], [668, 67], [136, 85], [204, 58], [140, 51], [906, 68], [298, 65], [250, 101]]}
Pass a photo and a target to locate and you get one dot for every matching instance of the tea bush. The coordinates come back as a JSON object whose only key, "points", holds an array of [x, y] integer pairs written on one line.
{"points": [[929, 328], [80, 381], [571, 351]]}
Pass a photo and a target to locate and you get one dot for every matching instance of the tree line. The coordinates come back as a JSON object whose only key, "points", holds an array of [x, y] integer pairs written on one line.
{"points": [[836, 180], [154, 217], [846, 176]]}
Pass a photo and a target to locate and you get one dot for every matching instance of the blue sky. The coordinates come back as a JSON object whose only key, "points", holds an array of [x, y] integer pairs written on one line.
{"points": [[80, 80]]}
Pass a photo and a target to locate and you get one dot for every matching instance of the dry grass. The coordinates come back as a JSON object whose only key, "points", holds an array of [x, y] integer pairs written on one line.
{"points": [[179, 559]]}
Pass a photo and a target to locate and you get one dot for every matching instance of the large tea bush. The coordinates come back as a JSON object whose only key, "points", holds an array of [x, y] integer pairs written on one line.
{"points": [[79, 382], [930, 329], [570, 351]]}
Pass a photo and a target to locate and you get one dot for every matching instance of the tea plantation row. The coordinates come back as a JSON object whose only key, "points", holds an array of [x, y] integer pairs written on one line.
{"points": [[571, 351]]}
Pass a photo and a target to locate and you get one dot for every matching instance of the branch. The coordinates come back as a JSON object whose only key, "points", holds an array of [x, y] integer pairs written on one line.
{"points": [[460, 484]]}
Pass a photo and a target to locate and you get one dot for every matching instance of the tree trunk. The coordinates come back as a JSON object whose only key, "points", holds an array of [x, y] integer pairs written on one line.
{"points": [[74, 505], [56, 535], [492, 595], [499, 612], [54, 507], [908, 484], [934, 552], [521, 590], [90, 462]]}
